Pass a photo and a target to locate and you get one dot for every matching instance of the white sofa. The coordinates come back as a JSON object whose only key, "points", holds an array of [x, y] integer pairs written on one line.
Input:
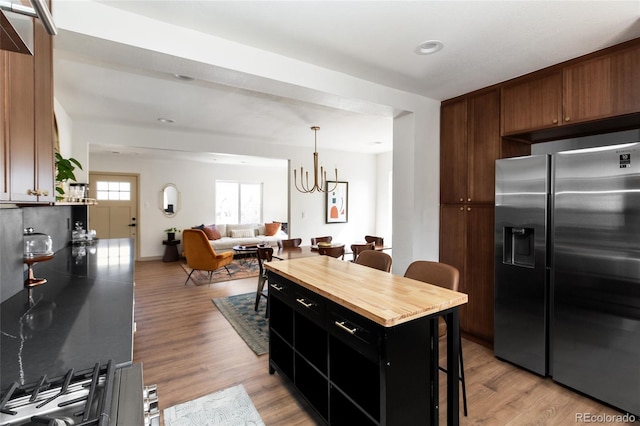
{"points": [[230, 236]]}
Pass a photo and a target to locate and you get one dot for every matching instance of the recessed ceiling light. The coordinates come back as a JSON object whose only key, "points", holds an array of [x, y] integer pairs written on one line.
{"points": [[183, 77], [166, 120], [428, 47]]}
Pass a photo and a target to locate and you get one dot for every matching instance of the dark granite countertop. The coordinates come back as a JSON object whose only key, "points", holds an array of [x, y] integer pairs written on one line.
{"points": [[83, 314]]}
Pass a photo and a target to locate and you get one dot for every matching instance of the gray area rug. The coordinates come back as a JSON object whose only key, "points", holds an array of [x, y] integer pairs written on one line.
{"points": [[252, 326], [228, 407]]}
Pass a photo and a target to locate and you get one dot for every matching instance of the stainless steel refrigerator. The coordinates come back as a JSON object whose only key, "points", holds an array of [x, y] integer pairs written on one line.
{"points": [[567, 267]]}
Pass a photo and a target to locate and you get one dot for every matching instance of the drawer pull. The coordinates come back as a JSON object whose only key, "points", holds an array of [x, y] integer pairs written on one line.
{"points": [[345, 328], [304, 303], [277, 287]]}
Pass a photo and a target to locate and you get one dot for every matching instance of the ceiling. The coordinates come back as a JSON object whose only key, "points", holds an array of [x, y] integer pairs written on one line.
{"points": [[485, 42]]}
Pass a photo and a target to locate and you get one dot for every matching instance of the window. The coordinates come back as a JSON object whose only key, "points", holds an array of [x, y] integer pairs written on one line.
{"points": [[113, 191], [238, 202]]}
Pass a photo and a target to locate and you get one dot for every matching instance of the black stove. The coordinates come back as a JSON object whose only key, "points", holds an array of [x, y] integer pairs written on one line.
{"points": [[103, 395]]}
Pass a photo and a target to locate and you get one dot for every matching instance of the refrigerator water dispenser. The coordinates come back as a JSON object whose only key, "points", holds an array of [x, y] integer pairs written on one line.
{"points": [[518, 246]]}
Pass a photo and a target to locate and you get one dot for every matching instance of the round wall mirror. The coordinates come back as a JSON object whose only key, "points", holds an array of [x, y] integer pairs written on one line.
{"points": [[170, 197]]}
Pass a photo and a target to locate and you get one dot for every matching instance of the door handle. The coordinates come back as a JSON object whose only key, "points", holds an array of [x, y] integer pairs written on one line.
{"points": [[132, 224]]}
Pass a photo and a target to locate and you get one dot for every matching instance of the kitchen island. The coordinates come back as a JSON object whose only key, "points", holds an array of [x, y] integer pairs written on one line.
{"points": [[82, 315], [360, 345]]}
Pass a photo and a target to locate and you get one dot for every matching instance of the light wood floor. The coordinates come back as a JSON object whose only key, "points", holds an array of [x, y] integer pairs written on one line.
{"points": [[189, 350]]}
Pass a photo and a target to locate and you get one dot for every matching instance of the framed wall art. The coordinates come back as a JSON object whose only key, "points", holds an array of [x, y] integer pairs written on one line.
{"points": [[337, 205]]}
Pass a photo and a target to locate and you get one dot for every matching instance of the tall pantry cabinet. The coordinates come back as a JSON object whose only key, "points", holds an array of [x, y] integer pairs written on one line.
{"points": [[470, 143]]}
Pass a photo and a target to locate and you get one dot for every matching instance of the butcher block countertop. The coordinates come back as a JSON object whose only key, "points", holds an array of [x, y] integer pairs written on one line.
{"points": [[382, 297]]}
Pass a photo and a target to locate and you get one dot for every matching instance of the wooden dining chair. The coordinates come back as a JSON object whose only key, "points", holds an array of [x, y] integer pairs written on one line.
{"points": [[379, 241], [445, 276], [265, 254], [292, 242], [317, 240], [200, 255], [375, 259], [336, 251], [359, 248]]}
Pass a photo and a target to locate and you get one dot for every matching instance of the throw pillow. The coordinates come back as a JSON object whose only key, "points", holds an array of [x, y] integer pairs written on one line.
{"points": [[198, 227], [212, 232], [271, 229], [242, 233]]}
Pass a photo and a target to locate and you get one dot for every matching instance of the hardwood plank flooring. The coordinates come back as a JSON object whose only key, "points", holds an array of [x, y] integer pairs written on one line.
{"points": [[189, 350]]}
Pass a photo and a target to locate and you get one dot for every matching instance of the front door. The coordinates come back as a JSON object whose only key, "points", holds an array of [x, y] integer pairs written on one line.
{"points": [[116, 212]]}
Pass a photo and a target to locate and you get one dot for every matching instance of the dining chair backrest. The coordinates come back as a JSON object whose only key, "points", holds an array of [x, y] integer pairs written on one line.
{"points": [[292, 242], [317, 240], [356, 249], [375, 259], [379, 241], [333, 251]]}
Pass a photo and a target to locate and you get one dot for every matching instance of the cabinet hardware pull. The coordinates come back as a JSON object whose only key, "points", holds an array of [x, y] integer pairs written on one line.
{"points": [[567, 119], [45, 193], [554, 121], [461, 209], [461, 199], [304, 303], [469, 199], [32, 192], [345, 328], [276, 287], [468, 209]]}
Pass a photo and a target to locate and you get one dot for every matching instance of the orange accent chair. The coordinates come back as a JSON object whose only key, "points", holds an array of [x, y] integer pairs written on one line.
{"points": [[375, 259], [200, 255]]}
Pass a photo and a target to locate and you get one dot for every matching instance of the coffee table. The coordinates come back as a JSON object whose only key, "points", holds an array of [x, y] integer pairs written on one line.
{"points": [[245, 252]]}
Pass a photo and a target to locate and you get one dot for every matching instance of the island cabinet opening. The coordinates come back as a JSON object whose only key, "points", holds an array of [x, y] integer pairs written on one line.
{"points": [[349, 368]]}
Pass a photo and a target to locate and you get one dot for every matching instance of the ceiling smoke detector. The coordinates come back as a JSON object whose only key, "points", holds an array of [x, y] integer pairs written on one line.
{"points": [[428, 47]]}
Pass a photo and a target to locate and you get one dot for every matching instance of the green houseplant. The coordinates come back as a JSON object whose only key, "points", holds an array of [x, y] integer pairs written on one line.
{"points": [[64, 173]]}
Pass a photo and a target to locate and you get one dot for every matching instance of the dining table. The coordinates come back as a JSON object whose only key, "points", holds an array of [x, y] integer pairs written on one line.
{"points": [[288, 253]]}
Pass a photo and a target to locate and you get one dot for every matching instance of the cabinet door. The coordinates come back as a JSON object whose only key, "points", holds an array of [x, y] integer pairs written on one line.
{"points": [[466, 242], [453, 152], [587, 90], [453, 246], [43, 104], [483, 146], [625, 81], [20, 123], [4, 144], [534, 103], [478, 276]]}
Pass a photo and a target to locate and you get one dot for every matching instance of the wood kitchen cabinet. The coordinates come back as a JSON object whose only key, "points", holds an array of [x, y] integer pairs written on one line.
{"points": [[600, 86], [27, 123], [469, 145], [466, 242]]}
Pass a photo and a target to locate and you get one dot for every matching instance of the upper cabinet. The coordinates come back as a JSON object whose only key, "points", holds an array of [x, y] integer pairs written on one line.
{"points": [[26, 88], [599, 87], [534, 103], [469, 146]]}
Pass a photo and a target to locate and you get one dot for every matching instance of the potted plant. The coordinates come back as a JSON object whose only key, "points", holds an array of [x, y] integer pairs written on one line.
{"points": [[171, 233], [64, 173]]}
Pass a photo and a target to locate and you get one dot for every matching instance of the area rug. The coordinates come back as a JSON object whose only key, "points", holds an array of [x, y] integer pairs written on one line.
{"points": [[228, 407], [239, 268], [252, 326]]}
